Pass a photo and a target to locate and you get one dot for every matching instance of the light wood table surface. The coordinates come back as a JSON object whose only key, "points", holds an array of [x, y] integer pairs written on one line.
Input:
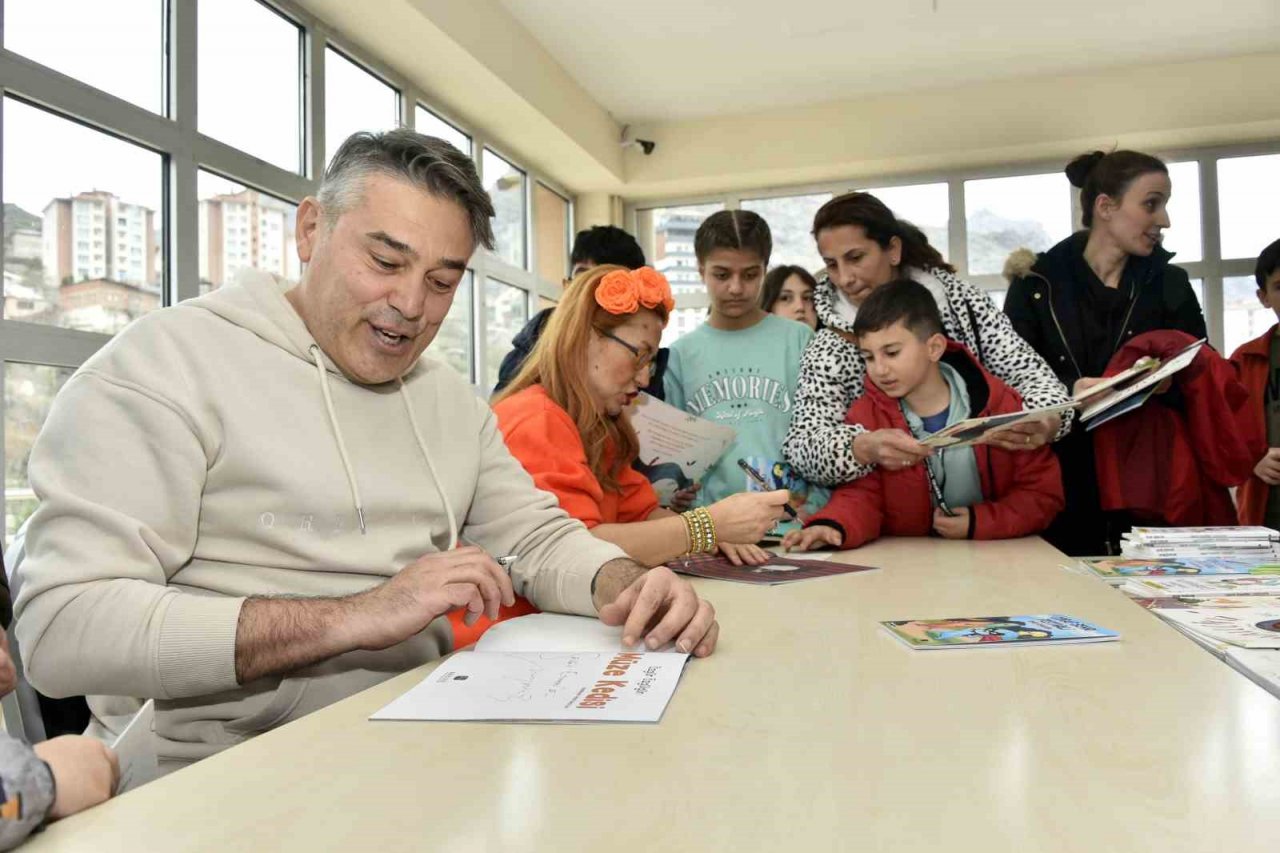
{"points": [[810, 729]]}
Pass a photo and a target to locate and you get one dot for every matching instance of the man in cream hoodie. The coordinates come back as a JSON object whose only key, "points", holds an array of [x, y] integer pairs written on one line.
{"points": [[251, 502]]}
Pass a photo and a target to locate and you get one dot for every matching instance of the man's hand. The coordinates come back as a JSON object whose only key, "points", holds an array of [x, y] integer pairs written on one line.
{"points": [[657, 606], [85, 772], [1028, 435], [818, 536], [1268, 467], [952, 527], [8, 674], [427, 588], [891, 449]]}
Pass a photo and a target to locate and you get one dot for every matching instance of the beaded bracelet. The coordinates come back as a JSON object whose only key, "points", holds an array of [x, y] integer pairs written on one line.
{"points": [[701, 530]]}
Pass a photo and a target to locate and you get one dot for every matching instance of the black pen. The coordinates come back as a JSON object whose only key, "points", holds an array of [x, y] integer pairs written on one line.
{"points": [[759, 481]]}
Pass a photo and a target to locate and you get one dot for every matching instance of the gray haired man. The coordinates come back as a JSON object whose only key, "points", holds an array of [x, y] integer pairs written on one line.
{"points": [[251, 503]]}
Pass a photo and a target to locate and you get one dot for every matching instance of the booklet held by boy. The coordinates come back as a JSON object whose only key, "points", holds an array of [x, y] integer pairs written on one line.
{"points": [[979, 631], [676, 448], [545, 667], [974, 430]]}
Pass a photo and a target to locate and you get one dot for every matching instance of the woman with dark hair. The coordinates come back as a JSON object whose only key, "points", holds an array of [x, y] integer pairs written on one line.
{"points": [[1081, 300], [864, 246], [788, 292]]}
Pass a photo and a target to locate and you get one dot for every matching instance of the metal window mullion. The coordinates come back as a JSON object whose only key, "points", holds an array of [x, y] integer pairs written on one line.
{"points": [[40, 344], [69, 97], [1211, 244], [313, 97], [247, 169], [181, 203], [957, 227]]}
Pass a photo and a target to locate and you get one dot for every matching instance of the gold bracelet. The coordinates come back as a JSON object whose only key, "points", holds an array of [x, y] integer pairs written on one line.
{"points": [[701, 530], [688, 532]]}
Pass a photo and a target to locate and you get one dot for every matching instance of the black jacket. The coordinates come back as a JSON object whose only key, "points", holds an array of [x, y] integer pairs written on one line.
{"points": [[523, 343], [1044, 304]]}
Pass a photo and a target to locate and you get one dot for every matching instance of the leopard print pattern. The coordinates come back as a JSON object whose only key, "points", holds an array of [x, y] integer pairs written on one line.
{"points": [[819, 443]]}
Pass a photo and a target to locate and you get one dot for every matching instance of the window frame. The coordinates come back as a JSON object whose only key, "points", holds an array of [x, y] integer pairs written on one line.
{"points": [[174, 135], [1211, 269]]}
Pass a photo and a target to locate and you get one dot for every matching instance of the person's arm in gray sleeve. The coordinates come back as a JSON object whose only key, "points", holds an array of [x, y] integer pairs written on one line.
{"points": [[27, 791]]}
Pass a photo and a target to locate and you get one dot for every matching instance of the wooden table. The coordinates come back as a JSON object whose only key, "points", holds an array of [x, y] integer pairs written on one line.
{"points": [[810, 729]]}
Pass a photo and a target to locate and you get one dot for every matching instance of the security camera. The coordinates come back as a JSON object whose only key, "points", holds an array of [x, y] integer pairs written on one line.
{"points": [[646, 145]]}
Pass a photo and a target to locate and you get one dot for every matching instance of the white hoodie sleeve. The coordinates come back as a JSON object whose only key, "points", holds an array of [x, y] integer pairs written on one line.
{"points": [[119, 472], [558, 556]]}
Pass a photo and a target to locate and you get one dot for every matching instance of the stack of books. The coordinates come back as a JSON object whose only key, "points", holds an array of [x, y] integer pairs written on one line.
{"points": [[1234, 543], [1220, 586]]}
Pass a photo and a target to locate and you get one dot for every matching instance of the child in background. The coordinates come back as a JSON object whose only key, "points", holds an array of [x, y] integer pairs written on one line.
{"points": [[1258, 366], [920, 383], [788, 292], [741, 366]]}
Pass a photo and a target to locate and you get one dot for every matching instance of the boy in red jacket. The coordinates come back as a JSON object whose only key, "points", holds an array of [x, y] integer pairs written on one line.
{"points": [[920, 383], [1258, 367]]}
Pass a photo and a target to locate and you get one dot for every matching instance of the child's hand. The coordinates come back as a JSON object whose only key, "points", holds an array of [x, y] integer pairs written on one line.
{"points": [[682, 500], [952, 526], [744, 555], [1268, 468], [811, 538]]}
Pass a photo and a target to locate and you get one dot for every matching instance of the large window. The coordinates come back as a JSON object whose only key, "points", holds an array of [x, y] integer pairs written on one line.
{"points": [[126, 188], [790, 221], [243, 229], [506, 186], [975, 219], [1247, 204], [28, 393], [354, 100], [116, 46], [250, 72], [1003, 214], [84, 224], [427, 122], [551, 231], [923, 205], [506, 312]]}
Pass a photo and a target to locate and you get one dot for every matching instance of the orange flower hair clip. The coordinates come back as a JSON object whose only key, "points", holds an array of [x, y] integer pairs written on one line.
{"points": [[625, 291]]}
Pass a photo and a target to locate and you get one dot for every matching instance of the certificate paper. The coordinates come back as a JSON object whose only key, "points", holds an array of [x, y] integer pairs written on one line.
{"points": [[544, 686]]}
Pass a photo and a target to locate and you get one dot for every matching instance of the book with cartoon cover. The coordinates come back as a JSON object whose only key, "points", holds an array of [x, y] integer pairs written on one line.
{"points": [[1122, 568], [1156, 587], [1246, 627], [976, 631]]}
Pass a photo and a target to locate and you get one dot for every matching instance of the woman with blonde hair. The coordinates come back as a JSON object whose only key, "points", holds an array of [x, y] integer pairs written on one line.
{"points": [[564, 417]]}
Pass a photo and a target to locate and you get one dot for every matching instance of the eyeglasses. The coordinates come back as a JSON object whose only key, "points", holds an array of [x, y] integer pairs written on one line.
{"points": [[643, 359]]}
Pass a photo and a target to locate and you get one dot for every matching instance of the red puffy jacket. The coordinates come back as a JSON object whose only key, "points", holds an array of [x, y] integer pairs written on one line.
{"points": [[1023, 488], [1253, 368], [1175, 464]]}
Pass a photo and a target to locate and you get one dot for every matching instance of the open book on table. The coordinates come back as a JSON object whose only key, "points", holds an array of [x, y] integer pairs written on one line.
{"points": [[1128, 390]]}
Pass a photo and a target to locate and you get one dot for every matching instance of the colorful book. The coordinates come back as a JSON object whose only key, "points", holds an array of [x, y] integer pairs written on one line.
{"points": [[1247, 627], [777, 571], [1149, 587], [970, 631], [1121, 568], [1116, 401], [1211, 602], [973, 430]]}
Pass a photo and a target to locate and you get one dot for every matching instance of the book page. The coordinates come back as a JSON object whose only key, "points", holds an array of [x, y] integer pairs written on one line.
{"points": [[135, 747], [973, 430], [676, 448], [1170, 367], [556, 632], [543, 686]]}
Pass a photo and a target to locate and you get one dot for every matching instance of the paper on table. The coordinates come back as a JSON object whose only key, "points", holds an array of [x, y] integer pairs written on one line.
{"points": [[136, 749], [555, 632], [676, 448], [543, 686]]}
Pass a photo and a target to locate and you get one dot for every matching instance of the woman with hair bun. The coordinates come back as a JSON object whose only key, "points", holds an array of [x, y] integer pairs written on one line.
{"points": [[1083, 299]]}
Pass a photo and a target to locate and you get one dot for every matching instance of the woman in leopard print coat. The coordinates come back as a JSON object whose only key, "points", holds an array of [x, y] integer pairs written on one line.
{"points": [[865, 246]]}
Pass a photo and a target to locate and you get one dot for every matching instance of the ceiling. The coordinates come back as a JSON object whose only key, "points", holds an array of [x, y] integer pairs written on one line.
{"points": [[663, 60]]}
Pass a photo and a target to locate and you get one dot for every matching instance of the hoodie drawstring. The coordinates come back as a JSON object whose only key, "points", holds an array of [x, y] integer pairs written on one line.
{"points": [[318, 359], [426, 454]]}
